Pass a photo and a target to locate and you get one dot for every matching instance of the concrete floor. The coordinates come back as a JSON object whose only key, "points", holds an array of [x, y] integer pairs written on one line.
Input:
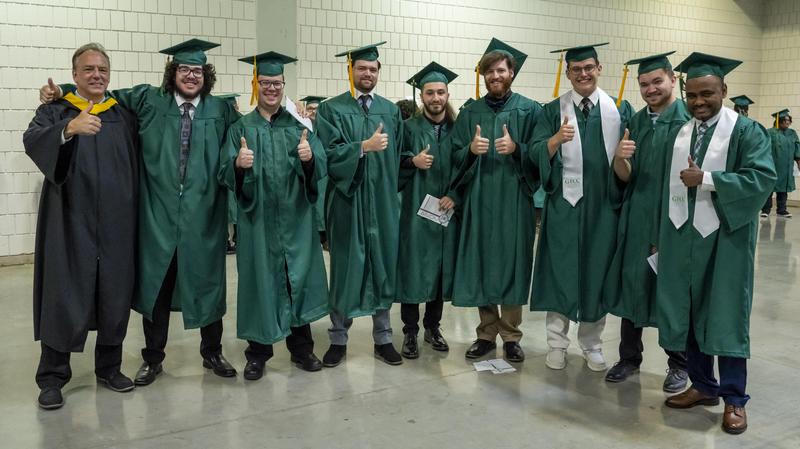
{"points": [[436, 401]]}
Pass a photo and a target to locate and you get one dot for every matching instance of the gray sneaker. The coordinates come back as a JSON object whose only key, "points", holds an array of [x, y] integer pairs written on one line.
{"points": [[676, 380]]}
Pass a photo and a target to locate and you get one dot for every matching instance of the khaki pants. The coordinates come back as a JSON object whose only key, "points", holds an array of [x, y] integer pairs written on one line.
{"points": [[505, 322], [589, 339]]}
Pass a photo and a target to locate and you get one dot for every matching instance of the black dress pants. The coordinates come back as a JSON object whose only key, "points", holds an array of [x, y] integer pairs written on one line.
{"points": [[299, 343], [631, 347], [54, 369]]}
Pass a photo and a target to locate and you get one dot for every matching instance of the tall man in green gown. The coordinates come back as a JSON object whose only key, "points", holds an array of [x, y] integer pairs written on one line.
{"points": [[720, 173], [362, 133], [639, 162], [182, 208], [786, 154], [427, 249], [310, 106], [273, 164], [573, 146], [495, 247]]}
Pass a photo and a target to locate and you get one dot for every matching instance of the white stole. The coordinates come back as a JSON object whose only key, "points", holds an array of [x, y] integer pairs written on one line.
{"points": [[572, 151], [705, 219]]}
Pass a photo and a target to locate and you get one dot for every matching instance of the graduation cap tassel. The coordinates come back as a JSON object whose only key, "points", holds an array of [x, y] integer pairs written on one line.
{"points": [[350, 75], [777, 118], [478, 81], [254, 84], [622, 86], [558, 75], [681, 85]]}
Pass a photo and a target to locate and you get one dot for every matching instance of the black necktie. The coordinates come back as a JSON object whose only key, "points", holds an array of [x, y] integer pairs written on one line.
{"points": [[364, 100], [586, 105], [186, 137]]}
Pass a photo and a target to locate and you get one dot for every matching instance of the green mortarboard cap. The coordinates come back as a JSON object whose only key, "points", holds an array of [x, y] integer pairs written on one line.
{"points": [[498, 45], [365, 53], [432, 72], [651, 63], [701, 64], [311, 99], [191, 52], [742, 100], [580, 53], [782, 114], [270, 63]]}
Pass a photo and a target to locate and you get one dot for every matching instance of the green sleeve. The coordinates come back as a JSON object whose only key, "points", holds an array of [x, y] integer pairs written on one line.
{"points": [[549, 170], [522, 139], [345, 164]]}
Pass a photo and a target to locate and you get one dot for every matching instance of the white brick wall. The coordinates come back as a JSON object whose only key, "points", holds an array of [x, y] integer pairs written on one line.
{"points": [[38, 38]]}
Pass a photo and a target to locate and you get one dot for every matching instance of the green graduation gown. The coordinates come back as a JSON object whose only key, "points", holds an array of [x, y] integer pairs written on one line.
{"points": [[630, 282], [785, 151], [575, 243], [495, 247], [190, 218], [427, 249], [277, 236], [362, 205], [710, 280]]}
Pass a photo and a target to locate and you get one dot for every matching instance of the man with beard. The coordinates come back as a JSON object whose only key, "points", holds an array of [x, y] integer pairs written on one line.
{"points": [[182, 209], [785, 153], [85, 145], [639, 163], [362, 133], [573, 146], [273, 164], [427, 249], [741, 105], [495, 248], [721, 171], [310, 105]]}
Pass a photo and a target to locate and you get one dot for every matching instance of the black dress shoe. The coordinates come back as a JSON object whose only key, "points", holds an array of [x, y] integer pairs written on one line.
{"points": [[388, 354], [480, 348], [147, 374], [334, 355], [621, 371], [410, 347], [307, 362], [50, 398], [253, 370], [220, 366], [437, 342], [116, 382], [513, 352]]}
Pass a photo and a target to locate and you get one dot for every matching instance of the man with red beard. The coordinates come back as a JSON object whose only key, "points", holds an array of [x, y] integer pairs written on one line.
{"points": [[495, 248]]}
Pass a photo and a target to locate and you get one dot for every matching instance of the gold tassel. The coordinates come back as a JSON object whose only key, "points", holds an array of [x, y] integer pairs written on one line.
{"points": [[254, 84], [350, 75], [478, 81], [622, 86], [558, 75], [777, 119]]}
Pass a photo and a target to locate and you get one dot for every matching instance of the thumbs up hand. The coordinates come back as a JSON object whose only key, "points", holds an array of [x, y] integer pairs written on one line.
{"points": [[85, 124], [423, 160], [692, 176], [49, 92], [303, 148], [565, 134], [246, 156], [479, 145], [377, 142], [625, 147], [504, 144]]}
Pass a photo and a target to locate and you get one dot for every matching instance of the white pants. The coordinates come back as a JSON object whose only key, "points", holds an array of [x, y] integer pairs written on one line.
{"points": [[557, 326]]}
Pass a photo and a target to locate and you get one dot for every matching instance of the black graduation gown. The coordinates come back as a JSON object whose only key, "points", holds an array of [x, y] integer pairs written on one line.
{"points": [[84, 266]]}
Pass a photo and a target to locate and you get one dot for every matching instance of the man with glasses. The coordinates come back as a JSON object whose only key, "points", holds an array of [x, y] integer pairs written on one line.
{"points": [[785, 153], [273, 164], [362, 133], [573, 146], [182, 209]]}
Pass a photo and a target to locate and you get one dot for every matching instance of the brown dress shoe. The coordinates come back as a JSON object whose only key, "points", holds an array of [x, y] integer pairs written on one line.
{"points": [[690, 398], [734, 420]]}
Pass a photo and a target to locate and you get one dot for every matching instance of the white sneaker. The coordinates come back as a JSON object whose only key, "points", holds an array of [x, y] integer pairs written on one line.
{"points": [[556, 358], [764, 215], [595, 360]]}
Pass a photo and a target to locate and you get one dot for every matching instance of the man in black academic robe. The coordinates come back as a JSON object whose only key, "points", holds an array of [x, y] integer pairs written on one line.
{"points": [[85, 145]]}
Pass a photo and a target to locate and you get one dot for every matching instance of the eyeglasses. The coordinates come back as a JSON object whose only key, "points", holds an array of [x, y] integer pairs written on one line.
{"points": [[277, 85], [578, 70], [197, 71]]}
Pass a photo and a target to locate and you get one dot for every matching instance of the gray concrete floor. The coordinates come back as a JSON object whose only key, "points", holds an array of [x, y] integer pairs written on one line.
{"points": [[434, 401]]}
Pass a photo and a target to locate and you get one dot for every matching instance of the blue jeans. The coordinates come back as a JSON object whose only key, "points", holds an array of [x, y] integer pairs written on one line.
{"points": [[381, 328], [732, 374]]}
